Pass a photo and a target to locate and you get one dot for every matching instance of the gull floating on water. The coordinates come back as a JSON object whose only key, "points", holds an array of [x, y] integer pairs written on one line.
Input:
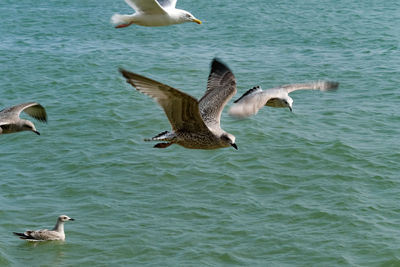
{"points": [[10, 122], [255, 98], [57, 233], [153, 13], [195, 124]]}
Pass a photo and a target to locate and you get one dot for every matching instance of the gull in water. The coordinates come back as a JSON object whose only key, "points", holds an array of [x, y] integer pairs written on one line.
{"points": [[255, 98], [195, 124], [153, 13], [10, 122], [57, 233]]}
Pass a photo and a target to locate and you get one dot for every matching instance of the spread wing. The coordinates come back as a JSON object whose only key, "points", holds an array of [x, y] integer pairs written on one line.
{"points": [[317, 85], [181, 109], [33, 109], [250, 102], [146, 6], [167, 3], [221, 86]]}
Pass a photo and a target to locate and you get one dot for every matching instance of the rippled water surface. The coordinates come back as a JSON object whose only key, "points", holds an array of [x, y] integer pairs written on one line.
{"points": [[316, 187]]}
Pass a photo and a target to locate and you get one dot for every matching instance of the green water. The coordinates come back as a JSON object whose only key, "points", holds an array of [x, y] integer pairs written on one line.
{"points": [[316, 187]]}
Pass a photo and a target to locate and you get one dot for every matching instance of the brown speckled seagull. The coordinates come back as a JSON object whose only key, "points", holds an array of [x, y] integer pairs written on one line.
{"points": [[255, 98], [195, 124], [57, 233], [10, 122]]}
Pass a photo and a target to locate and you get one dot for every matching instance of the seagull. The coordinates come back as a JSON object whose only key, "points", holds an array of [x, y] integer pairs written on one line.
{"points": [[57, 233], [153, 13], [255, 98], [195, 124], [10, 122]]}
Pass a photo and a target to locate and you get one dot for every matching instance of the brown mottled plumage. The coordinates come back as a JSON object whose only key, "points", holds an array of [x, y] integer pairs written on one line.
{"points": [[195, 124]]}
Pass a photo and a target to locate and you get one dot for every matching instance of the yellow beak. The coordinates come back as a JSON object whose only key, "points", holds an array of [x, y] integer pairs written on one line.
{"points": [[197, 21]]}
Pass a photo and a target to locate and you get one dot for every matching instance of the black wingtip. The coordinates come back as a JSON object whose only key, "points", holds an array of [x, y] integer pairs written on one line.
{"points": [[218, 65], [122, 71], [255, 88], [332, 85], [21, 235]]}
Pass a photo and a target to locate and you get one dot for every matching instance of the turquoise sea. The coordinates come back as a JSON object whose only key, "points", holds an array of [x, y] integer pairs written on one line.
{"points": [[316, 187]]}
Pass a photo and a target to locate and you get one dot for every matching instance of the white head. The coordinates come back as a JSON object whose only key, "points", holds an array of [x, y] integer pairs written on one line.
{"points": [[185, 16], [282, 101], [228, 140], [288, 101], [25, 125], [64, 218]]}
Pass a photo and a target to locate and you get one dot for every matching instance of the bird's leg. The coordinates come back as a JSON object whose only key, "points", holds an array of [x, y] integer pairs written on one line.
{"points": [[162, 145], [123, 25]]}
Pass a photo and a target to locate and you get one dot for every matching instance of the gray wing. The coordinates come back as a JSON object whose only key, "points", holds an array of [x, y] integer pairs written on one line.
{"points": [[251, 101], [167, 3], [44, 235], [181, 109], [33, 109], [221, 87], [317, 85], [39, 235], [146, 6]]}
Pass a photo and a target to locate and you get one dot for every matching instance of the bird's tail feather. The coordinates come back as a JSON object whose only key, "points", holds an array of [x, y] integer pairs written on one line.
{"points": [[21, 235]]}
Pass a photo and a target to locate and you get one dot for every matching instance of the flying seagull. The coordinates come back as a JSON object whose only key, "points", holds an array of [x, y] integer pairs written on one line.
{"points": [[153, 13], [195, 124], [57, 233], [255, 98], [10, 122]]}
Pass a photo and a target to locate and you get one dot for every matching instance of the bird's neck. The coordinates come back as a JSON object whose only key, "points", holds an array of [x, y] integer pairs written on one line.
{"points": [[59, 227]]}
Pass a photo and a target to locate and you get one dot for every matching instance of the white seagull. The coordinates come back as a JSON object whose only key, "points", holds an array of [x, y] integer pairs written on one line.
{"points": [[57, 233], [195, 124], [255, 98], [10, 122], [153, 13]]}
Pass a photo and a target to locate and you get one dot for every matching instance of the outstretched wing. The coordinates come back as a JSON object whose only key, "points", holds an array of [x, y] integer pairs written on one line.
{"points": [[221, 87], [250, 102], [317, 85], [146, 6], [167, 3], [181, 109], [33, 109]]}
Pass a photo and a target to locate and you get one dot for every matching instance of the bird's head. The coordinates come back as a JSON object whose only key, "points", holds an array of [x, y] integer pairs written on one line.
{"points": [[188, 17], [288, 102], [228, 140], [65, 218], [28, 126]]}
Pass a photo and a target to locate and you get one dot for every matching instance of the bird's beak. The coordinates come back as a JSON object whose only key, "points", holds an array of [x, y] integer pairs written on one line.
{"points": [[36, 132], [290, 108], [235, 146], [197, 21], [71, 219]]}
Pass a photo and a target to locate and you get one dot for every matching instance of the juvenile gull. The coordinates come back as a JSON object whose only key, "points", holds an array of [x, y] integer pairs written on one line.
{"points": [[57, 233], [195, 124], [10, 122], [255, 98], [153, 13]]}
